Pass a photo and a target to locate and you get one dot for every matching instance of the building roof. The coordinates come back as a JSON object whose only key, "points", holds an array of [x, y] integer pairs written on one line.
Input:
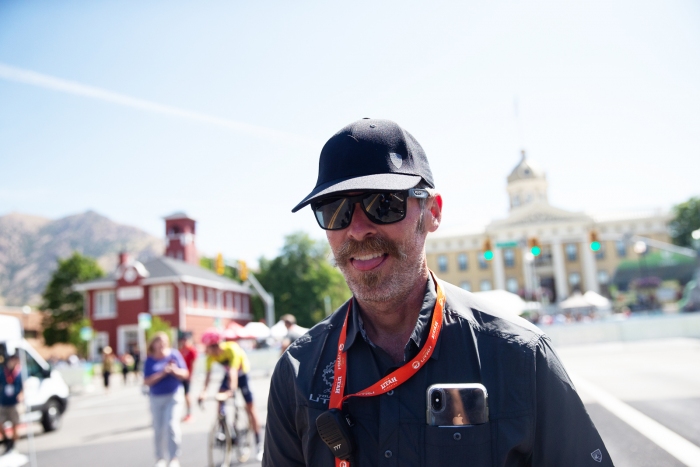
{"points": [[169, 267], [165, 269], [177, 215], [525, 170]]}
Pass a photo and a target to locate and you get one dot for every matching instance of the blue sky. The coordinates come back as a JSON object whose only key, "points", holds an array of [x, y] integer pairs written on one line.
{"points": [[607, 93]]}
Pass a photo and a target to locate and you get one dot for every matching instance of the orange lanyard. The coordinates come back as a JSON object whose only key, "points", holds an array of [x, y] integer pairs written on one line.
{"points": [[396, 377]]}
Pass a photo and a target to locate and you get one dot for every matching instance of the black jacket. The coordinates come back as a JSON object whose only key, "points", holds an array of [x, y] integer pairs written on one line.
{"points": [[536, 417]]}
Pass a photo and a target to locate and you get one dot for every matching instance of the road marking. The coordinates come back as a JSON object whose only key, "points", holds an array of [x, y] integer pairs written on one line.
{"points": [[669, 441], [13, 459]]}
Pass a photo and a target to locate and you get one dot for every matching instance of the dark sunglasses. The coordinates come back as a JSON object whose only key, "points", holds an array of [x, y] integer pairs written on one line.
{"points": [[381, 207]]}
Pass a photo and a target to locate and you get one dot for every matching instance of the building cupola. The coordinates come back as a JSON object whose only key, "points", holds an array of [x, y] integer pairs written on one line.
{"points": [[179, 238], [527, 184]]}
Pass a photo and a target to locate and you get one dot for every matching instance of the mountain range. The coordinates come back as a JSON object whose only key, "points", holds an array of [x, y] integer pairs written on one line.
{"points": [[30, 247]]}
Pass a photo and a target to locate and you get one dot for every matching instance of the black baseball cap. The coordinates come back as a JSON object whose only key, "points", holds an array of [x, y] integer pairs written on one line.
{"points": [[370, 154]]}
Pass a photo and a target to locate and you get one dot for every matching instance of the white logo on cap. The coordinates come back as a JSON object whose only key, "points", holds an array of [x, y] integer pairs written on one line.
{"points": [[597, 455], [396, 159]]}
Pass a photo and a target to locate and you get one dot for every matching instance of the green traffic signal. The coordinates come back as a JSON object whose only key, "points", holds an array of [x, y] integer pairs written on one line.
{"points": [[595, 246], [535, 250], [488, 255]]}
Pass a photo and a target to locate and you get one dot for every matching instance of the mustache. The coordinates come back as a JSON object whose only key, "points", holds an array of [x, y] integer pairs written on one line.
{"points": [[352, 248]]}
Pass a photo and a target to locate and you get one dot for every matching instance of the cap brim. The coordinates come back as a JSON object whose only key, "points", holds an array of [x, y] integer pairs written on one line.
{"points": [[390, 181]]}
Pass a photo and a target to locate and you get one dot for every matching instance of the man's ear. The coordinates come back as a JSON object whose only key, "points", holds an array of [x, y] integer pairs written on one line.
{"points": [[435, 210]]}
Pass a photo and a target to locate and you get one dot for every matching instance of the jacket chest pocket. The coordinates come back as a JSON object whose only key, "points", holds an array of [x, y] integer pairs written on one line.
{"points": [[458, 445]]}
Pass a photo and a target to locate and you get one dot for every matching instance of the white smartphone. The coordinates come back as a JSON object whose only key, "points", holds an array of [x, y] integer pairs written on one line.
{"points": [[457, 404]]}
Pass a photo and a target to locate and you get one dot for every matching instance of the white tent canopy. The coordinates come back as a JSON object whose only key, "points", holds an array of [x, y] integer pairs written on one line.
{"points": [[258, 330], [575, 301], [279, 330], [506, 301], [588, 300], [597, 300]]}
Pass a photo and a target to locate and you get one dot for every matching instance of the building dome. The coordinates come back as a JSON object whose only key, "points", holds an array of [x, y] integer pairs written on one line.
{"points": [[527, 184], [525, 170]]}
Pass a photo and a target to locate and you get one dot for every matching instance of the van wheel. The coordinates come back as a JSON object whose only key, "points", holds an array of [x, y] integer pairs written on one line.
{"points": [[51, 416]]}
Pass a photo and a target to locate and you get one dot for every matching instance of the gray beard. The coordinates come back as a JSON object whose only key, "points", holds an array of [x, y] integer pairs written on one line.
{"points": [[382, 287]]}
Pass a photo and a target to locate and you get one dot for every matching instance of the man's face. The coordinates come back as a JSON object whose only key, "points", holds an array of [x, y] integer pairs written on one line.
{"points": [[213, 350], [382, 262]]}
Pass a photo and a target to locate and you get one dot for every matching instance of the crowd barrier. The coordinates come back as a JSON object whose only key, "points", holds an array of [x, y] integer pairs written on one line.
{"points": [[634, 328]]}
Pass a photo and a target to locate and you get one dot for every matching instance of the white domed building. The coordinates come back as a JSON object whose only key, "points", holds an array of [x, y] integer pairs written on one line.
{"points": [[566, 263]]}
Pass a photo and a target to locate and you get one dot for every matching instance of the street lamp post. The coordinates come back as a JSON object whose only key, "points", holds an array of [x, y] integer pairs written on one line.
{"points": [[640, 247], [532, 272], [26, 310]]}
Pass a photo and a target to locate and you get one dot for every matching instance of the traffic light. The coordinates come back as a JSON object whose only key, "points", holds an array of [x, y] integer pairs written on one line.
{"points": [[488, 250], [242, 270], [593, 241], [534, 245], [220, 268]]}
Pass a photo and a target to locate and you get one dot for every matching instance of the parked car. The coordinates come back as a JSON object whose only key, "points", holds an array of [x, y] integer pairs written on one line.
{"points": [[45, 391]]}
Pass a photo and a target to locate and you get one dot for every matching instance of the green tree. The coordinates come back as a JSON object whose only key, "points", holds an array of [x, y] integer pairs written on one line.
{"points": [[300, 278], [158, 325], [686, 218], [63, 306]]}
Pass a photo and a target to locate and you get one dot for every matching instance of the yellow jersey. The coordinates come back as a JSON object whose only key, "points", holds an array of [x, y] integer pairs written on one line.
{"points": [[231, 356]]}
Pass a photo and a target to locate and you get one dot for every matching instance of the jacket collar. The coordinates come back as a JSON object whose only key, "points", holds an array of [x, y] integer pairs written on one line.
{"points": [[420, 332]]}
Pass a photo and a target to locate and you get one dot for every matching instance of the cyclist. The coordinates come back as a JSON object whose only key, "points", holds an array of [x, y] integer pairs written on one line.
{"points": [[231, 356]]}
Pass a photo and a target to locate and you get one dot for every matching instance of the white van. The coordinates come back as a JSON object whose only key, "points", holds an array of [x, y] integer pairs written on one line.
{"points": [[45, 392]]}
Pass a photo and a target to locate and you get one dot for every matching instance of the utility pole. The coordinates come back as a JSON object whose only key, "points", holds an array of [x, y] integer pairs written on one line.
{"points": [[249, 278], [266, 297]]}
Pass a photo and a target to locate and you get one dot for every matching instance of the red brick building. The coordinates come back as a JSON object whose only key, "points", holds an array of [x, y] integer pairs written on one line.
{"points": [[173, 287]]}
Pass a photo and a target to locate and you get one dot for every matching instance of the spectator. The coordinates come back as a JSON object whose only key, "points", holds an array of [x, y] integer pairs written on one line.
{"points": [[127, 365], [294, 332], [10, 396], [107, 365], [164, 372], [189, 354], [136, 355]]}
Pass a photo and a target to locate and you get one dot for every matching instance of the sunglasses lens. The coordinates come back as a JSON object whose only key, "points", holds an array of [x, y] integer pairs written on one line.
{"points": [[385, 208], [333, 213]]}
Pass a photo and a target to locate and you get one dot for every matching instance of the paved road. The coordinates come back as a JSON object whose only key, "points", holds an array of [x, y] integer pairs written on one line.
{"points": [[651, 385], [657, 382], [114, 429]]}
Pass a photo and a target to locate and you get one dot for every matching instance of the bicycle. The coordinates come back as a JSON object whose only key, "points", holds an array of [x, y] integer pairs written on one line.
{"points": [[230, 438]]}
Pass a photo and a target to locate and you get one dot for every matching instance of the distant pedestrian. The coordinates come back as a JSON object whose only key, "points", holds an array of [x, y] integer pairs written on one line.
{"points": [[189, 354], [127, 365], [164, 372], [136, 355], [10, 397], [294, 332], [107, 365]]}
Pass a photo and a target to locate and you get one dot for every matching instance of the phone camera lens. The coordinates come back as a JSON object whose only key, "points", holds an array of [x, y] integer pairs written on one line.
{"points": [[437, 400]]}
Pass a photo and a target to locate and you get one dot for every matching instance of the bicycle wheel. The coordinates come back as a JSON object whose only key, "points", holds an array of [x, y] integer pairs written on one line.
{"points": [[244, 443], [220, 444]]}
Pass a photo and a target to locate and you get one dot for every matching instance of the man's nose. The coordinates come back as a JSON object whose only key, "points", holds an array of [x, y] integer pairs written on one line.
{"points": [[360, 226]]}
